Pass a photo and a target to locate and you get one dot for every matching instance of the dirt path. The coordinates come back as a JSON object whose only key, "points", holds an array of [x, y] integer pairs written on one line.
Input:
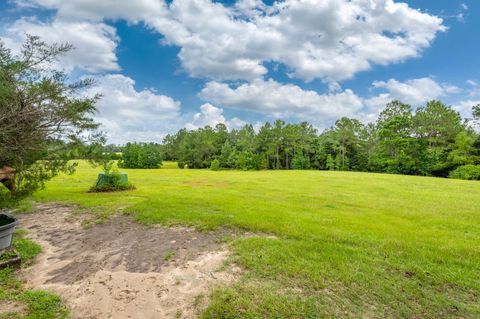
{"points": [[121, 269]]}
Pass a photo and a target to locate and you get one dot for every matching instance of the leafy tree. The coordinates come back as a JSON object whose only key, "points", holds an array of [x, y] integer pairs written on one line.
{"points": [[299, 161], [437, 123], [463, 151], [141, 155], [476, 114], [226, 159], [432, 141], [44, 120], [347, 133], [330, 162], [398, 148]]}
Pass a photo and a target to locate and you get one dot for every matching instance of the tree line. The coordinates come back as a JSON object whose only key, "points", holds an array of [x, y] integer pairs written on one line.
{"points": [[434, 140]]}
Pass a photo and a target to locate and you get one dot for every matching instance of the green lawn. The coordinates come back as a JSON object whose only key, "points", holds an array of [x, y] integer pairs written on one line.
{"points": [[346, 244]]}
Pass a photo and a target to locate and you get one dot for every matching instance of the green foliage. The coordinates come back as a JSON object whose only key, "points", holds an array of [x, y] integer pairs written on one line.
{"points": [[299, 161], [141, 155], [476, 116], [112, 182], [38, 104], [433, 141], [245, 161], [215, 165], [26, 248], [330, 162], [468, 172]]}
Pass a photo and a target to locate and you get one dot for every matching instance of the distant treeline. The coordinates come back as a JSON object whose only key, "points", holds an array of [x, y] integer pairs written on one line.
{"points": [[432, 141]]}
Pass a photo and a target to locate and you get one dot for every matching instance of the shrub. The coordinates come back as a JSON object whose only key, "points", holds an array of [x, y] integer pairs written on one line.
{"points": [[245, 161], [141, 155], [112, 183], [215, 165], [469, 172]]}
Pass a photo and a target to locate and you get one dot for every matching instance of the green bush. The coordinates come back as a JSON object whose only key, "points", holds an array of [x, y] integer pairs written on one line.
{"points": [[141, 155], [299, 161], [469, 172], [113, 183], [215, 165]]}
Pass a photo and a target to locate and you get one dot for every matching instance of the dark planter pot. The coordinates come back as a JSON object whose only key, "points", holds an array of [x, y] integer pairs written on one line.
{"points": [[7, 227], [104, 179]]}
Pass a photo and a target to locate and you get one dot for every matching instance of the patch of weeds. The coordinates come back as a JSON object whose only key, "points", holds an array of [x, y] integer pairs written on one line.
{"points": [[25, 205], [26, 248], [198, 300], [86, 224], [178, 314], [42, 304], [7, 255], [169, 255], [111, 188]]}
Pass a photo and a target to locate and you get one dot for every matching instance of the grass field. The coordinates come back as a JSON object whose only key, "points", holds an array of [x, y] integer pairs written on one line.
{"points": [[345, 244]]}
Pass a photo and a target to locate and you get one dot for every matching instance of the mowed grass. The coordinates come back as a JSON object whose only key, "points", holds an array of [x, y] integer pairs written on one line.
{"points": [[345, 244]]}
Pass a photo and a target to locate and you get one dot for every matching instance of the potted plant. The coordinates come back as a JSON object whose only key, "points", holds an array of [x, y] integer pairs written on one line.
{"points": [[7, 227], [110, 180]]}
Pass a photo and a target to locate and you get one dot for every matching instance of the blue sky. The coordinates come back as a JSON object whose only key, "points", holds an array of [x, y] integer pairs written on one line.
{"points": [[186, 63]]}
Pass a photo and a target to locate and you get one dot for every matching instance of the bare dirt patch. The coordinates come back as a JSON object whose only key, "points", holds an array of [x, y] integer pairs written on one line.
{"points": [[121, 269], [11, 307]]}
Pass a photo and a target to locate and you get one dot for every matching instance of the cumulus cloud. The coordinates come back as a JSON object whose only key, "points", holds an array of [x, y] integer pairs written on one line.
{"points": [[330, 40], [291, 101], [98, 10], [127, 114], [212, 115], [283, 100], [95, 43], [413, 91], [465, 107]]}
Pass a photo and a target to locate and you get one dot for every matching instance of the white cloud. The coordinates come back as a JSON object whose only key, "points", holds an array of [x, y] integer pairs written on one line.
{"points": [[289, 101], [331, 40], [98, 10], [95, 43], [473, 88], [127, 114], [212, 115], [465, 107], [282, 100], [327, 39], [413, 91]]}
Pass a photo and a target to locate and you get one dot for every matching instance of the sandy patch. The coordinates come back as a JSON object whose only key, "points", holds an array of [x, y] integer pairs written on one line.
{"points": [[121, 269], [7, 307]]}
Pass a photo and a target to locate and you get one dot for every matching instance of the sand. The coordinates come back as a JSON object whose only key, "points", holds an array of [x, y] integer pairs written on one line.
{"points": [[121, 269]]}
